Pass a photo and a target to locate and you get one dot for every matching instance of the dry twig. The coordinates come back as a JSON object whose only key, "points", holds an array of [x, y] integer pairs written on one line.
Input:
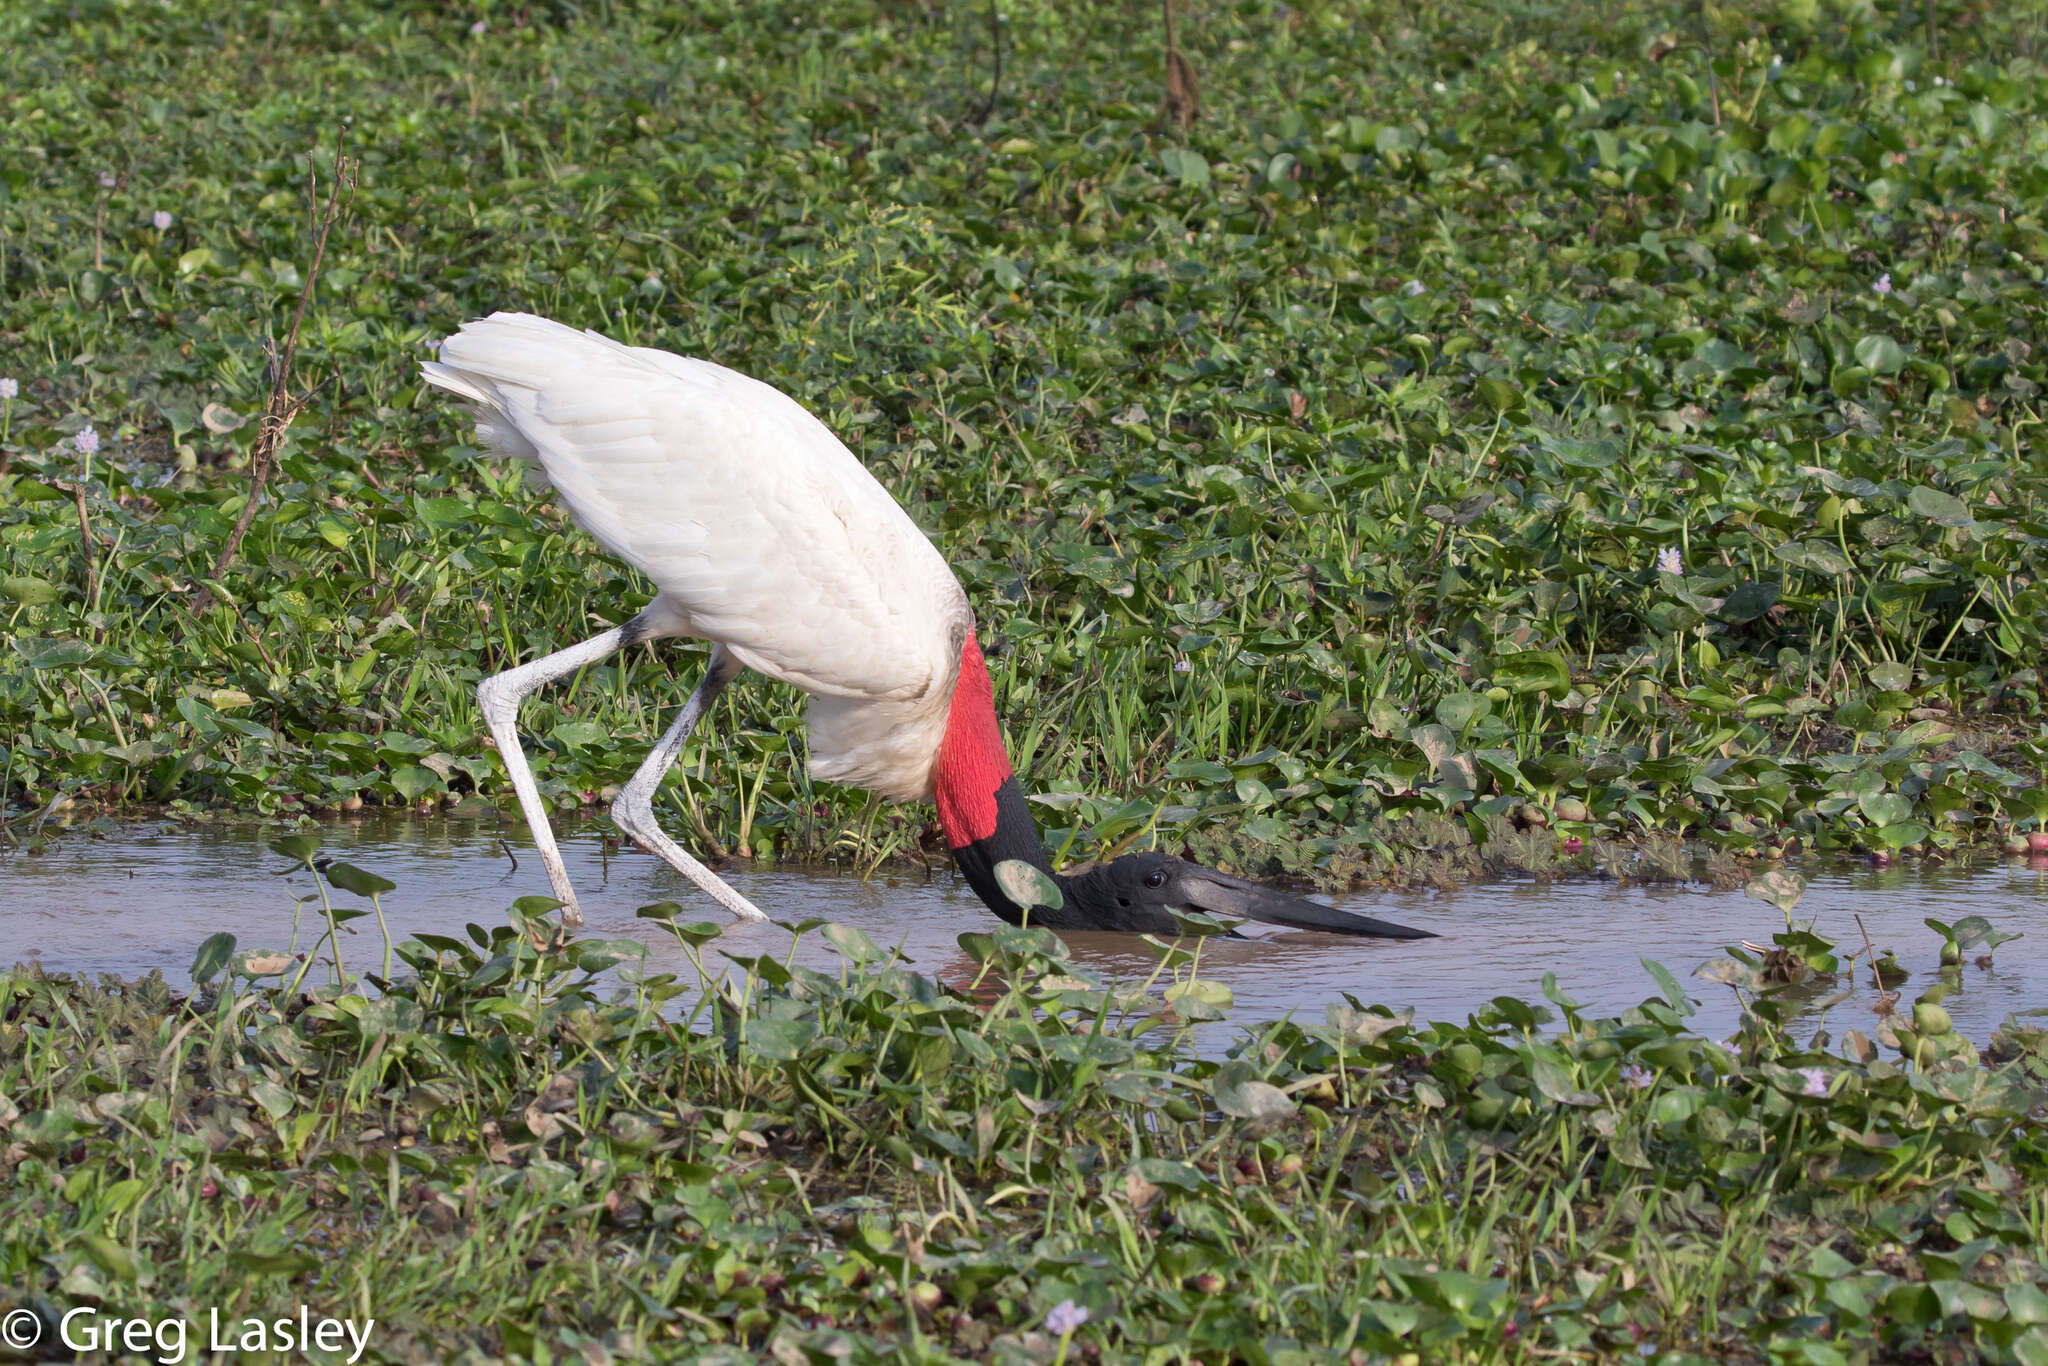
{"points": [[281, 406], [1183, 101]]}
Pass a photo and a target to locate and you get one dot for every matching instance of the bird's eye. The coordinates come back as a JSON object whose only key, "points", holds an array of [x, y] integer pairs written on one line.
{"points": [[1156, 878]]}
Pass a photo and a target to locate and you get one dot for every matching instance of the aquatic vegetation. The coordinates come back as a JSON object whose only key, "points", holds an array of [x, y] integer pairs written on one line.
{"points": [[1647, 425], [531, 1146]]}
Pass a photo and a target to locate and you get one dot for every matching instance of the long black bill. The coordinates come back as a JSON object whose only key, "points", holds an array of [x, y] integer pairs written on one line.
{"points": [[1221, 894]]}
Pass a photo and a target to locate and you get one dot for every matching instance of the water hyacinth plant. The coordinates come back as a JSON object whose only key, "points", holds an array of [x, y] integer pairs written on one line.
{"points": [[527, 1145], [1366, 401]]}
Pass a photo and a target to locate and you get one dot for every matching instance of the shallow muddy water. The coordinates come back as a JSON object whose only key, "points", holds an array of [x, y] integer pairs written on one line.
{"points": [[145, 897]]}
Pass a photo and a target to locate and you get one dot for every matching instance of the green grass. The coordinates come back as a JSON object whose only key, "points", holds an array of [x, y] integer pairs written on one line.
{"points": [[1309, 472], [503, 1158]]}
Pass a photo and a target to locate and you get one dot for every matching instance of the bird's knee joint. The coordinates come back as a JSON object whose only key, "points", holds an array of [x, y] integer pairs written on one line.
{"points": [[634, 814], [497, 702]]}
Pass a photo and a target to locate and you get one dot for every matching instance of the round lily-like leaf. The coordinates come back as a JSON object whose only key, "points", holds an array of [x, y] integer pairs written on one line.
{"points": [[1533, 671], [299, 848], [361, 881], [1240, 1094], [1028, 885], [30, 591], [1781, 887], [1885, 808], [1942, 509]]}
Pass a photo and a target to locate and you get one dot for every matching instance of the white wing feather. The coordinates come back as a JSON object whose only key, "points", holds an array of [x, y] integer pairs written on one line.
{"points": [[762, 531]]}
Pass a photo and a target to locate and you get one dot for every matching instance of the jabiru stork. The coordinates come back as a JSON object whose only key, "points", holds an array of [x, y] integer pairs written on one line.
{"points": [[766, 536]]}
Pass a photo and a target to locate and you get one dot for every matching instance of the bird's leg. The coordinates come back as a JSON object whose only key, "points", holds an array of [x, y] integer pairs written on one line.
{"points": [[499, 696], [633, 812]]}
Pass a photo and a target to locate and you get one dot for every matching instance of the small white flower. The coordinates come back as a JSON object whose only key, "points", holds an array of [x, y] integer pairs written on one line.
{"points": [[106, 180], [1412, 288], [1816, 1081], [160, 220], [1065, 1317], [8, 387], [1910, 87], [1883, 285], [1437, 86], [87, 441], [1181, 666], [476, 30], [1668, 561]]}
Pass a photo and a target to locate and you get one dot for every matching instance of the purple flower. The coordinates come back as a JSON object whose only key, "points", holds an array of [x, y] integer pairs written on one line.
{"points": [[1668, 561], [1636, 1075], [87, 441], [1816, 1081], [8, 387], [106, 180], [1065, 1317], [1883, 285], [1412, 288], [160, 220], [1181, 666], [476, 30]]}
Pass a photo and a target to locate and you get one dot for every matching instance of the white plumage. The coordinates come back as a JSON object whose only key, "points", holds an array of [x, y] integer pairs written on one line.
{"points": [[760, 529]]}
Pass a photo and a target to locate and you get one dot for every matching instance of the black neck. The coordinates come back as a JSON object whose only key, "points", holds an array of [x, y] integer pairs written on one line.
{"points": [[1015, 837]]}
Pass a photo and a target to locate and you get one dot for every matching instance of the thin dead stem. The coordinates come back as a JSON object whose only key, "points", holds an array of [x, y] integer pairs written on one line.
{"points": [[282, 407]]}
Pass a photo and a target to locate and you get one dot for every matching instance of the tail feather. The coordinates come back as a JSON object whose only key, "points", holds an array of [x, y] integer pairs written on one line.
{"points": [[486, 361]]}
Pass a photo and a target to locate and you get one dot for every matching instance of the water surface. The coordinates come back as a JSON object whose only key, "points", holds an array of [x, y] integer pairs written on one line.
{"points": [[144, 897]]}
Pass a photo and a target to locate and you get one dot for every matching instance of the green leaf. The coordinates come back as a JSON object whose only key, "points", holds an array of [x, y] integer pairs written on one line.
{"points": [[1943, 509], [1386, 718], [1555, 1085], [696, 932], [1788, 134], [779, 1039], [1459, 710], [1027, 885], [1533, 671], [1749, 601], [580, 734], [350, 878], [1500, 395], [333, 530], [1240, 1093], [1164, 1171], [300, 848], [1668, 984], [1885, 808], [596, 955], [855, 946], [1881, 354], [108, 1255], [413, 782], [1781, 887], [32, 592], [1899, 834], [48, 652], [214, 952]]}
